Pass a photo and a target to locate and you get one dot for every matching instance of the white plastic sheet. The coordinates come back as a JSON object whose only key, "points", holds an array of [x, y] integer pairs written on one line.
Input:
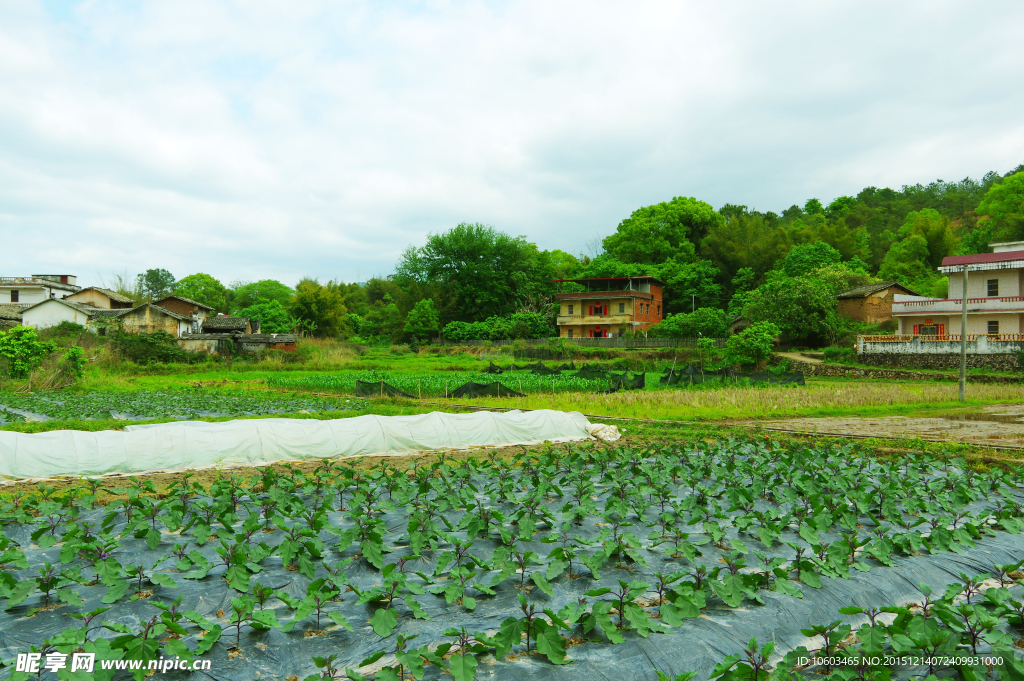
{"points": [[199, 444]]}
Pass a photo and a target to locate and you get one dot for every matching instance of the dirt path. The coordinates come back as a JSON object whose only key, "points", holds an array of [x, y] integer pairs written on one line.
{"points": [[799, 357]]}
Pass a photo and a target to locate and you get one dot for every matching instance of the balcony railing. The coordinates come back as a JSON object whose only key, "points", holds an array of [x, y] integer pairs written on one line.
{"points": [[956, 304]]}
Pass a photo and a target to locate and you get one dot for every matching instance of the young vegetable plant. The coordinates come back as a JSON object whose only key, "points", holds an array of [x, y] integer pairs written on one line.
{"points": [[319, 593], [396, 583]]}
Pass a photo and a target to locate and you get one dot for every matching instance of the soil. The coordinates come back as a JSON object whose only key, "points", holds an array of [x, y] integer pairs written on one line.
{"points": [[995, 425]]}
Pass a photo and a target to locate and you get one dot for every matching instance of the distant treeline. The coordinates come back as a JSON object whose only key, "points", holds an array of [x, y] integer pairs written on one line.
{"points": [[474, 281]]}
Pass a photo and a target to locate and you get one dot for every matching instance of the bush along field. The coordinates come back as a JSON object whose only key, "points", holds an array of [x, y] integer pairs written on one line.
{"points": [[555, 564], [153, 404]]}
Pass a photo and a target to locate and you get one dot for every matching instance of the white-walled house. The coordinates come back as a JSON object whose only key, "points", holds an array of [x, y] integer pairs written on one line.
{"points": [[36, 288], [995, 297], [52, 312]]}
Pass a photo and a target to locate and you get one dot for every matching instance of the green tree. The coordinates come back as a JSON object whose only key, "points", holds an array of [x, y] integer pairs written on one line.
{"points": [[320, 308], [753, 345], [689, 285], [272, 315], [745, 241], [155, 283], [799, 306], [906, 260], [654, 234], [840, 207], [709, 322], [384, 322], [806, 258], [488, 272], [248, 294], [422, 321], [1004, 203], [23, 351], [814, 207], [204, 289]]}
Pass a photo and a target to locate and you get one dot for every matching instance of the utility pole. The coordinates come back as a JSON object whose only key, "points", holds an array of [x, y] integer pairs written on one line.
{"points": [[963, 340]]}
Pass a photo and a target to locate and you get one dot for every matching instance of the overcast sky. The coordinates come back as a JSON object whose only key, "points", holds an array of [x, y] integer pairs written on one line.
{"points": [[254, 140]]}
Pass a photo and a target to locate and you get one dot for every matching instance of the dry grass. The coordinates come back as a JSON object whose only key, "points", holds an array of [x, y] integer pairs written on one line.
{"points": [[818, 398]]}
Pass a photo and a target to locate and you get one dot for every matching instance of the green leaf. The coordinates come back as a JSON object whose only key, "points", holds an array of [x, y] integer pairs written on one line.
{"points": [[809, 535], [384, 622], [373, 552], [542, 583], [161, 579], [462, 667], [340, 621], [70, 597], [115, 592]]}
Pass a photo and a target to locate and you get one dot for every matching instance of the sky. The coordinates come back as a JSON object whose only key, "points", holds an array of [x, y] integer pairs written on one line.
{"points": [[253, 140]]}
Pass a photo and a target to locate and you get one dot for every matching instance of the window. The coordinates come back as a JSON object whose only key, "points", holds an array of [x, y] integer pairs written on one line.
{"points": [[570, 312], [993, 290], [570, 333], [648, 308], [929, 330], [993, 326], [659, 310], [622, 308], [14, 296]]}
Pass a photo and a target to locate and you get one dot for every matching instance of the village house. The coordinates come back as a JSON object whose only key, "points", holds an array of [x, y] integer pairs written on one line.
{"points": [[148, 318], [94, 296], [871, 303], [52, 312], [36, 288], [188, 307], [995, 297], [609, 307]]}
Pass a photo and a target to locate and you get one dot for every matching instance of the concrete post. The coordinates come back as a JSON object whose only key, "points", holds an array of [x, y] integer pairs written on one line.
{"points": [[963, 341]]}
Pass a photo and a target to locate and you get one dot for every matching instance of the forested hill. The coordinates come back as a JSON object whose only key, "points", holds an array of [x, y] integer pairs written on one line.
{"points": [[787, 265]]}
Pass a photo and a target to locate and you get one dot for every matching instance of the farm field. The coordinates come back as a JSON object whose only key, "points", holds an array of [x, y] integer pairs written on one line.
{"points": [[549, 564]]}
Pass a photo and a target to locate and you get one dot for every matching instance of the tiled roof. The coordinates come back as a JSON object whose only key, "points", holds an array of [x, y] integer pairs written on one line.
{"points": [[980, 258], [186, 300], [113, 295], [9, 311], [226, 323], [865, 291]]}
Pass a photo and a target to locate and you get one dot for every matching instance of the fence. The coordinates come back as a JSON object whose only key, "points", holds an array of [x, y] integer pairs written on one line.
{"points": [[592, 342], [996, 344]]}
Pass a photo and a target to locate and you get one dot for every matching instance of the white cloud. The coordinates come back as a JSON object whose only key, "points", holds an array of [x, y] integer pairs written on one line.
{"points": [[260, 139]]}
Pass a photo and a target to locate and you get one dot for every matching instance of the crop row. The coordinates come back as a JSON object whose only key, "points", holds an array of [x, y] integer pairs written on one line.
{"points": [[147, 404], [660, 536], [439, 384]]}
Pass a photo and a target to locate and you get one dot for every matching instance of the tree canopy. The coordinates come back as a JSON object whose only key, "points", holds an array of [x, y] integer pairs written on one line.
{"points": [[203, 288], [668, 230]]}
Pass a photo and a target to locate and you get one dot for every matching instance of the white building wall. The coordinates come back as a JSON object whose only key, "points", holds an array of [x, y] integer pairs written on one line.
{"points": [[977, 283], [27, 295], [52, 313], [978, 323]]}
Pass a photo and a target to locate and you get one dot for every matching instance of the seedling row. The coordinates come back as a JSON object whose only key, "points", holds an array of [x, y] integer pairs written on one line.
{"points": [[385, 572]]}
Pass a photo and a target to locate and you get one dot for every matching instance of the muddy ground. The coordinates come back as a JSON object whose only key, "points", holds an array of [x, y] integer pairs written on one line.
{"points": [[995, 425]]}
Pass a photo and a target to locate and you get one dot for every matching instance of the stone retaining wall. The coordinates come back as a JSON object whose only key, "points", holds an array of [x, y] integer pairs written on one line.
{"points": [[840, 371], [1006, 362]]}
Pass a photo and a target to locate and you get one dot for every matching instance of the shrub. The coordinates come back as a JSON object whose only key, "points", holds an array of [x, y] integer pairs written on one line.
{"points": [[23, 350], [837, 353], [149, 348], [753, 345]]}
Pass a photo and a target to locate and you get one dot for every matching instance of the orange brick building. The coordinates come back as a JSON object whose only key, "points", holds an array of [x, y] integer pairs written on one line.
{"points": [[609, 307]]}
